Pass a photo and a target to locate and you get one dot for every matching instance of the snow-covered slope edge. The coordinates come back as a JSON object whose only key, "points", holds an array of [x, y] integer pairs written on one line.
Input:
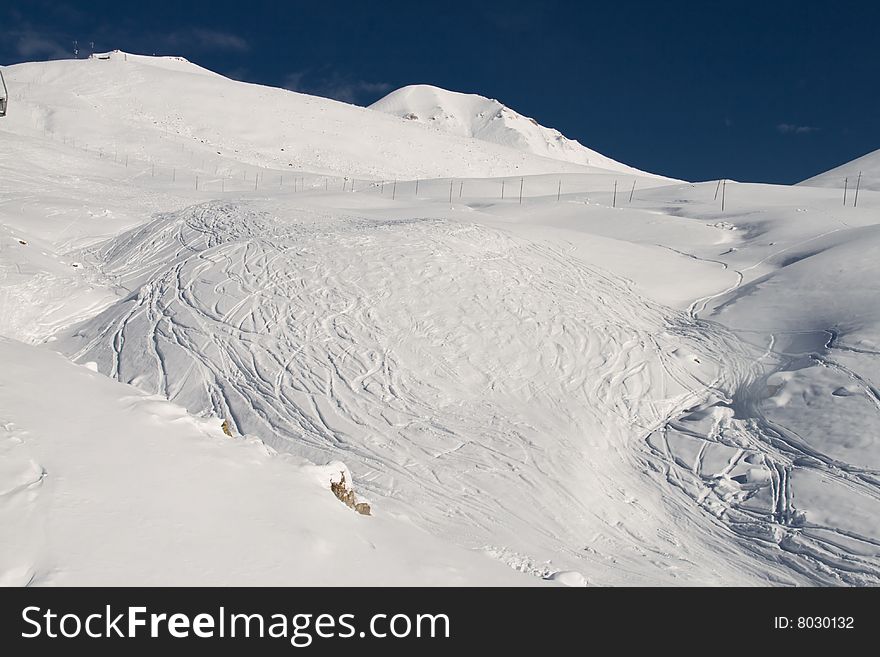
{"points": [[471, 115], [847, 174], [118, 487]]}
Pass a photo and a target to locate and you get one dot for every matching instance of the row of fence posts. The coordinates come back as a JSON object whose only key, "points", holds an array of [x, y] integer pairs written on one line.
{"points": [[348, 184], [299, 185], [381, 186], [345, 181], [259, 175]]}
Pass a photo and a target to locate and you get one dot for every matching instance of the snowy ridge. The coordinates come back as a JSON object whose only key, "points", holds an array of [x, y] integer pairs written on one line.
{"points": [[171, 110], [867, 165], [470, 115], [169, 63]]}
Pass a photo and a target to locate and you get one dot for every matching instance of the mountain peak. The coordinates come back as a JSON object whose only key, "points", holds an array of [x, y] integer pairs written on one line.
{"points": [[472, 115]]}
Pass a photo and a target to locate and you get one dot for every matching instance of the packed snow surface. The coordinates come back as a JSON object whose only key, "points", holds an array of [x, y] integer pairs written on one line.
{"points": [[535, 371]]}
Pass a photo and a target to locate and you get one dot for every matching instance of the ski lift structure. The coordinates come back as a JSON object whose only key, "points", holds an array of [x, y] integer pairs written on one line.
{"points": [[4, 95]]}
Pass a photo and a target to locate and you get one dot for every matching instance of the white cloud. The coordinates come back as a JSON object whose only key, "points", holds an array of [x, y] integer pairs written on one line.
{"points": [[32, 45], [792, 129], [334, 86], [207, 39]]}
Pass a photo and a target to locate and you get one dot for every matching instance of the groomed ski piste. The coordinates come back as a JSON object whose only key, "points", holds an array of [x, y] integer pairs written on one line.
{"points": [[537, 365]]}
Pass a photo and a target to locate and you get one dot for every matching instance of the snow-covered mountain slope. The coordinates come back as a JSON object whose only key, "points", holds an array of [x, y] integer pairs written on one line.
{"points": [[578, 370], [847, 174], [470, 115], [115, 487], [167, 109]]}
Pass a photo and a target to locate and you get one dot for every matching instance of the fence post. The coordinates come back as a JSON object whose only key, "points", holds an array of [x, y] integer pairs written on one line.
{"points": [[520, 190], [858, 184], [845, 186], [614, 198]]}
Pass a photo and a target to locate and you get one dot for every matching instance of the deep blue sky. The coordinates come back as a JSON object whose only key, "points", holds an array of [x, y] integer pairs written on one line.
{"points": [[771, 91]]}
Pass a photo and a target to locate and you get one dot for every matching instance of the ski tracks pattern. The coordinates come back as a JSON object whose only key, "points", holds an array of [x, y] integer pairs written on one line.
{"points": [[489, 387]]}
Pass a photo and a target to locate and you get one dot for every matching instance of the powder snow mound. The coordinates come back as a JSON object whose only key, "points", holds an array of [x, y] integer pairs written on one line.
{"points": [[847, 174], [471, 115]]}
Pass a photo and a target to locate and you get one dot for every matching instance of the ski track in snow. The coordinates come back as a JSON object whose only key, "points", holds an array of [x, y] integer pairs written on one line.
{"points": [[737, 464], [495, 403]]}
